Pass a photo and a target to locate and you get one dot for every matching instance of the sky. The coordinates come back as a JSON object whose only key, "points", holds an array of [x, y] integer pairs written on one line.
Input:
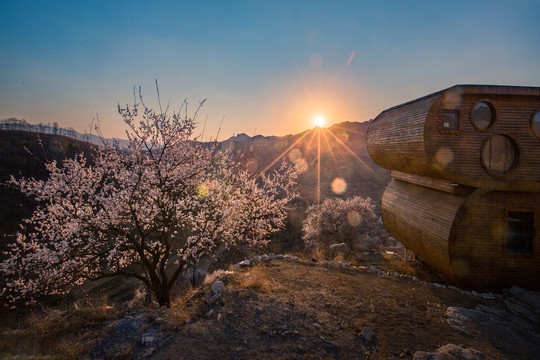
{"points": [[264, 67]]}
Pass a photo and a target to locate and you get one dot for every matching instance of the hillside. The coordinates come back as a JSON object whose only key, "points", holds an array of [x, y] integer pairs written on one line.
{"points": [[291, 309], [343, 155], [24, 153]]}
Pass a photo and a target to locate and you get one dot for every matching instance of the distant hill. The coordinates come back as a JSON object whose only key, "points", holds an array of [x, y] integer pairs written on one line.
{"points": [[342, 146], [343, 155]]}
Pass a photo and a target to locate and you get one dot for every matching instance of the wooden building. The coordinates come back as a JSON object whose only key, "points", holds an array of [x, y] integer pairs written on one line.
{"points": [[465, 187]]}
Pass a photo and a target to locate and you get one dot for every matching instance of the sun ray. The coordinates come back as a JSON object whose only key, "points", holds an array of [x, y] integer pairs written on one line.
{"points": [[354, 154], [319, 130], [329, 146], [284, 153], [311, 139], [349, 130]]}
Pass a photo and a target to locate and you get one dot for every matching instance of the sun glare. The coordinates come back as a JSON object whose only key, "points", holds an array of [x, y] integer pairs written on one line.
{"points": [[318, 120]]}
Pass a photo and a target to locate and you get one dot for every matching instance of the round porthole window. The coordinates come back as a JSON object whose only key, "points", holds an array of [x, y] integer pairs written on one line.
{"points": [[483, 115], [535, 124], [499, 154]]}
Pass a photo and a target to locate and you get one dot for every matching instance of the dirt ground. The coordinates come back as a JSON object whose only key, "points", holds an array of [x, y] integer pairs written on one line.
{"points": [[301, 310], [280, 309]]}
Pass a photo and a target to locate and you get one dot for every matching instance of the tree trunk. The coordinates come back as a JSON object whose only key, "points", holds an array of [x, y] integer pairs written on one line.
{"points": [[163, 296]]}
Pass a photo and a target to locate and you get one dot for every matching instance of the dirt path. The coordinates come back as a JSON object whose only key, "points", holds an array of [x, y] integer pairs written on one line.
{"points": [[299, 310]]}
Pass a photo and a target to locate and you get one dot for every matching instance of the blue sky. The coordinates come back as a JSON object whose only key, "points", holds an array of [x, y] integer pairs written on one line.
{"points": [[265, 67]]}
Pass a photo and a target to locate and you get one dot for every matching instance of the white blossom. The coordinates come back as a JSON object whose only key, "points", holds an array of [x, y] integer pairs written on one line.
{"points": [[148, 211]]}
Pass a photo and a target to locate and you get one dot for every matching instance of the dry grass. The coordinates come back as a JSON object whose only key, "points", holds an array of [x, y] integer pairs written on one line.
{"points": [[184, 308], [56, 332], [254, 279]]}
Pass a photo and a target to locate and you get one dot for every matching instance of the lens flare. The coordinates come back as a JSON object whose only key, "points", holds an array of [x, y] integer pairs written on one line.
{"points": [[444, 156], [339, 185], [301, 165], [203, 190], [354, 218], [295, 155]]}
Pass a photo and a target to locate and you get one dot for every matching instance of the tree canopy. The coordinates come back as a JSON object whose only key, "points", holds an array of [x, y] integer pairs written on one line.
{"points": [[149, 211]]}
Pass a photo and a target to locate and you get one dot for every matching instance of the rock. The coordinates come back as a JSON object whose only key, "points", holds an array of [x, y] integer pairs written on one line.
{"points": [[131, 323], [457, 317], [245, 262], [450, 352], [151, 337], [148, 352], [368, 335], [218, 287], [154, 305], [331, 346], [160, 320], [519, 308], [532, 299], [211, 299], [339, 248]]}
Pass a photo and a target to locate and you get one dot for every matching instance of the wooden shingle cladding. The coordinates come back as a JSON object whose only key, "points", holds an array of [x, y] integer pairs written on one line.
{"points": [[410, 138], [465, 195], [478, 246], [464, 236], [421, 218]]}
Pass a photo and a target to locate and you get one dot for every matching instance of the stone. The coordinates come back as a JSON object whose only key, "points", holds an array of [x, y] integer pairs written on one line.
{"points": [[339, 248], [211, 299], [148, 352], [368, 335], [245, 262], [331, 347], [152, 336], [218, 287], [450, 352]]}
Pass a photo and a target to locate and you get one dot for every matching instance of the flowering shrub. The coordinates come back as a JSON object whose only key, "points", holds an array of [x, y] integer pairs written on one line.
{"points": [[351, 221], [149, 211]]}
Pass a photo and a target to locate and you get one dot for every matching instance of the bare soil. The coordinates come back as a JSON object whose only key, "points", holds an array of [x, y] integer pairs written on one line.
{"points": [[281, 309], [302, 310]]}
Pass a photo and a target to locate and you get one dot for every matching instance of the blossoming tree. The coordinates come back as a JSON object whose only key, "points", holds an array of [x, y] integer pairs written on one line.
{"points": [[352, 221], [149, 211]]}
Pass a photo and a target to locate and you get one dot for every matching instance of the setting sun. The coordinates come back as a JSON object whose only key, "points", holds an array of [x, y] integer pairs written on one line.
{"points": [[318, 120]]}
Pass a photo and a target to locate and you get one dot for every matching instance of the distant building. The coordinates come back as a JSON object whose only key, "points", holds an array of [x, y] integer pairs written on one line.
{"points": [[465, 188]]}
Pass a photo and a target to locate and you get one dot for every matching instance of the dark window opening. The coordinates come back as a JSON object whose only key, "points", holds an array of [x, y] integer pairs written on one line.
{"points": [[450, 120], [500, 154], [520, 234]]}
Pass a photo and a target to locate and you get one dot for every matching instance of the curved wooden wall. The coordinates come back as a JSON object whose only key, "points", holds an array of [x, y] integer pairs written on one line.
{"points": [[421, 218], [396, 139], [409, 138], [478, 254]]}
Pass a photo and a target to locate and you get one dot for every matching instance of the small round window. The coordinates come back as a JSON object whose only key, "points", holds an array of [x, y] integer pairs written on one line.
{"points": [[483, 115], [535, 124], [499, 155]]}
